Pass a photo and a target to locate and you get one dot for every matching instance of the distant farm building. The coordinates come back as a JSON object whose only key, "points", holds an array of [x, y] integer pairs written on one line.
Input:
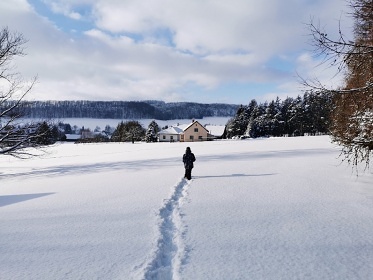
{"points": [[185, 133], [171, 134]]}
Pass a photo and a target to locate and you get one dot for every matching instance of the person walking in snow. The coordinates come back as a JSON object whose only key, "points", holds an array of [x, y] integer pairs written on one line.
{"points": [[188, 159]]}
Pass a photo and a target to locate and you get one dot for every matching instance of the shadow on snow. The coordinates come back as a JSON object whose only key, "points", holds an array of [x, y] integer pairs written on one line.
{"points": [[12, 199], [165, 162], [233, 175]]}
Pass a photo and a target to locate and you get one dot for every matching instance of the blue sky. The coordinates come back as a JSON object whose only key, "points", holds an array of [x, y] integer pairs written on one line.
{"points": [[207, 51]]}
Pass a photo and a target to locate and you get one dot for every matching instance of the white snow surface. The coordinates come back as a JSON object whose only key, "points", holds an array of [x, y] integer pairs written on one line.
{"points": [[277, 208]]}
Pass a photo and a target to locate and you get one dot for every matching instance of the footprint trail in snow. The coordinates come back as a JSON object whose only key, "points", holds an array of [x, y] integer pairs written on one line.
{"points": [[171, 251]]}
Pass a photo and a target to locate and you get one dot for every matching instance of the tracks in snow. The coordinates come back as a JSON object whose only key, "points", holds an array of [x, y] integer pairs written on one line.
{"points": [[171, 250]]}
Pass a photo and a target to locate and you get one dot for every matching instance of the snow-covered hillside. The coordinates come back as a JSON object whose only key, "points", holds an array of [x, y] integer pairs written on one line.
{"points": [[277, 208]]}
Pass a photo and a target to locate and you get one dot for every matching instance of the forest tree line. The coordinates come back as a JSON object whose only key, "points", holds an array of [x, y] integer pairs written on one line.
{"points": [[122, 109], [307, 114]]}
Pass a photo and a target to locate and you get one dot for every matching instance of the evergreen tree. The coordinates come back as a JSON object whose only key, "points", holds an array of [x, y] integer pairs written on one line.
{"points": [[152, 132], [257, 126], [129, 131], [278, 127], [237, 126], [271, 123], [317, 112], [309, 114], [285, 110], [253, 129], [46, 134], [296, 121]]}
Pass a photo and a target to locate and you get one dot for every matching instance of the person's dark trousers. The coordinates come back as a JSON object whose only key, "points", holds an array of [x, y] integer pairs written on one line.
{"points": [[188, 174]]}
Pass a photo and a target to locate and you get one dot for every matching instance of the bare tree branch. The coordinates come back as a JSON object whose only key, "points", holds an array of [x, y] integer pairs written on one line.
{"points": [[15, 138], [352, 115]]}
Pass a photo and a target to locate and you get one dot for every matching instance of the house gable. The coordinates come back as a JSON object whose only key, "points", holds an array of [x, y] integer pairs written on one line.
{"points": [[195, 124], [195, 132]]}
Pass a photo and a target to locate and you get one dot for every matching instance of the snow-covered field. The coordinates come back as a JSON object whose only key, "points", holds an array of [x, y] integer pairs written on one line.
{"points": [[277, 208]]}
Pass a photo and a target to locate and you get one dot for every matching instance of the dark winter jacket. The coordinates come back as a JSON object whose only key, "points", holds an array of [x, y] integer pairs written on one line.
{"points": [[188, 159]]}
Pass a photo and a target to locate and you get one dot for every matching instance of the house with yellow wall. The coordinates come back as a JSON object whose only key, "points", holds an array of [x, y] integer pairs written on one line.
{"points": [[185, 133], [194, 132]]}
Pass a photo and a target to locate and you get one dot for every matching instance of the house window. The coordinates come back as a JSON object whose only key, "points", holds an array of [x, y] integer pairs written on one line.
{"points": [[191, 137], [196, 129], [171, 137], [164, 136], [200, 138]]}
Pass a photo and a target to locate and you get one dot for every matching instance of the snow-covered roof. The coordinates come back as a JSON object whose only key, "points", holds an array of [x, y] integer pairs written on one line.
{"points": [[73, 136], [216, 130], [171, 130]]}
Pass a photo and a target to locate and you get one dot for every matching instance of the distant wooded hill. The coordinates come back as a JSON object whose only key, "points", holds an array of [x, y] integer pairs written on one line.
{"points": [[125, 110]]}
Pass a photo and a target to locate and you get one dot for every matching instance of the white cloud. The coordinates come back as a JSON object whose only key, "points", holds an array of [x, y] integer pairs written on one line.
{"points": [[313, 69], [162, 49], [68, 8], [211, 26], [64, 9]]}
